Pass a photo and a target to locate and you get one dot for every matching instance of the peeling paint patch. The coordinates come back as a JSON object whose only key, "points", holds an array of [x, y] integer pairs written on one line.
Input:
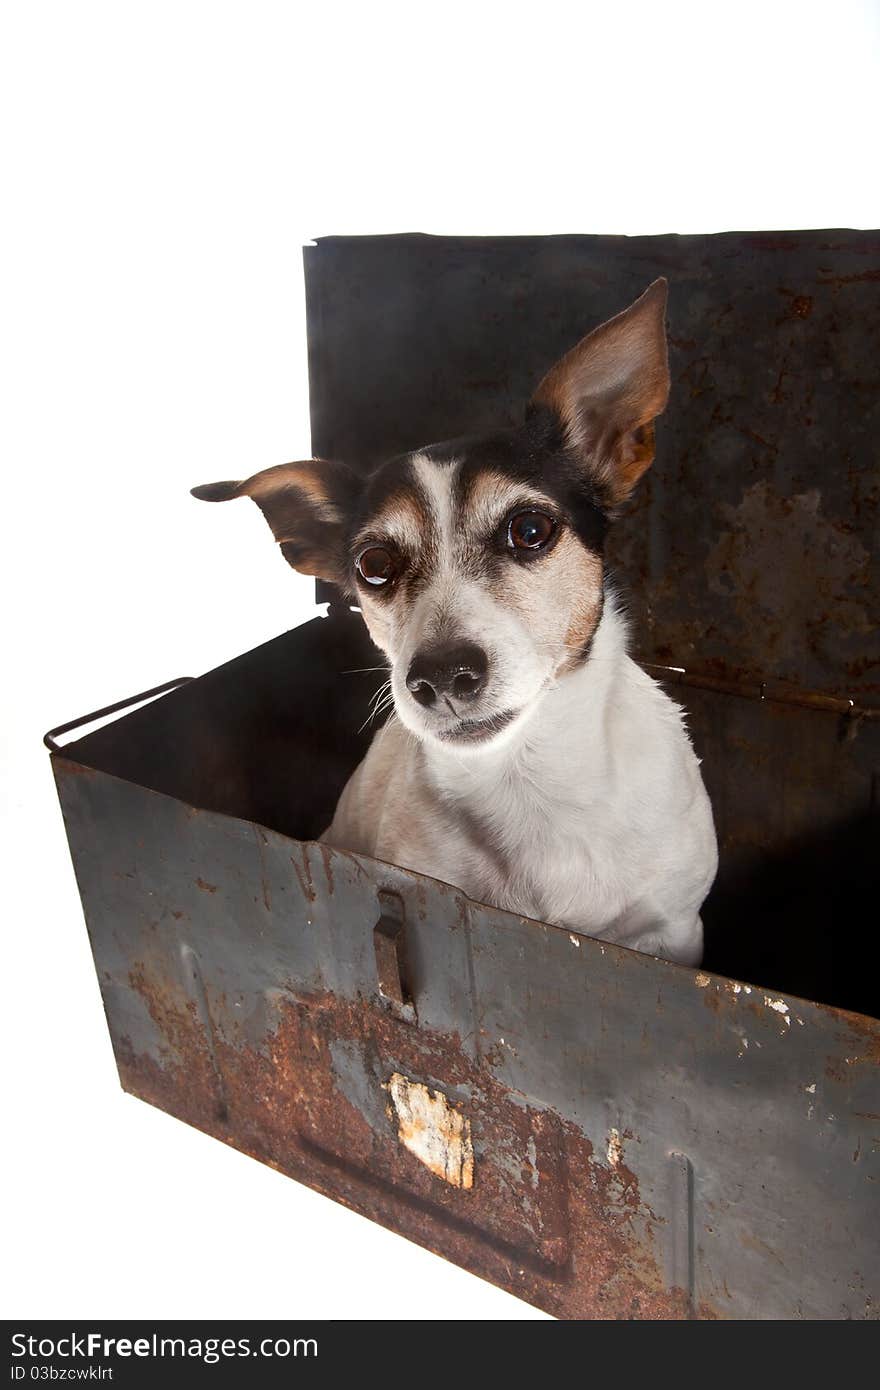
{"points": [[575, 940], [433, 1130], [615, 1148], [701, 980], [779, 1006]]}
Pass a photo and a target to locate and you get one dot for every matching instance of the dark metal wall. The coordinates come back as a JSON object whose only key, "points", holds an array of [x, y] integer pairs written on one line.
{"points": [[751, 548]]}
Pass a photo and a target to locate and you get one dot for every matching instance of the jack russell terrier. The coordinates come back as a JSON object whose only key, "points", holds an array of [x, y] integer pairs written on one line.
{"points": [[529, 761]]}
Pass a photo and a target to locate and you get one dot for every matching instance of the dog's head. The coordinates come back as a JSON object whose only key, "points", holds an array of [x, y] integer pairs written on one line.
{"points": [[477, 564]]}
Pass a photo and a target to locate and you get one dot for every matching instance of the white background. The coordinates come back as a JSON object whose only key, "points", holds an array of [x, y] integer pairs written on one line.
{"points": [[162, 165]]}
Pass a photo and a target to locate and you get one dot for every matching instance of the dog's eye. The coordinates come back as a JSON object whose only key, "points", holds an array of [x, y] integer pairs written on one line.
{"points": [[529, 530], [376, 565]]}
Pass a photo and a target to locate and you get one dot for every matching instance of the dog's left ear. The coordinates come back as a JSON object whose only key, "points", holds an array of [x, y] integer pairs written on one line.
{"points": [[307, 505], [608, 390]]}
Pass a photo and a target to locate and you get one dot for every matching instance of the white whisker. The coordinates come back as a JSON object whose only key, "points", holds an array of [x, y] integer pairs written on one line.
{"points": [[380, 701]]}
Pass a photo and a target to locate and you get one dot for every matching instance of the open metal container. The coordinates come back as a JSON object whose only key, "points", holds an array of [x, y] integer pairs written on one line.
{"points": [[601, 1133]]}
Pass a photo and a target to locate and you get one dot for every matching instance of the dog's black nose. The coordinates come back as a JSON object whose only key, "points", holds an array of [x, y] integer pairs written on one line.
{"points": [[458, 671]]}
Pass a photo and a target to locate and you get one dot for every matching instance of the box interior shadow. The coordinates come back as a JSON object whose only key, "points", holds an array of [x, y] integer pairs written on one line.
{"points": [[272, 736]]}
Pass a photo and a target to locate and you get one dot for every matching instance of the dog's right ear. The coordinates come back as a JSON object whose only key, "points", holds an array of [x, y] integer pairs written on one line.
{"points": [[307, 505], [607, 391]]}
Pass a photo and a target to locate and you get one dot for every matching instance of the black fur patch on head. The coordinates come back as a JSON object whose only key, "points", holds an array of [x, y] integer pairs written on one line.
{"points": [[534, 454]]}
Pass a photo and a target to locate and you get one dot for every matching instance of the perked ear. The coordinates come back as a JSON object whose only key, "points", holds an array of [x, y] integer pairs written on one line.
{"points": [[608, 391], [307, 505]]}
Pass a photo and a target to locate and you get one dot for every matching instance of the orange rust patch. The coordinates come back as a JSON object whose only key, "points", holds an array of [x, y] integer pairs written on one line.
{"points": [[304, 875], [561, 1229]]}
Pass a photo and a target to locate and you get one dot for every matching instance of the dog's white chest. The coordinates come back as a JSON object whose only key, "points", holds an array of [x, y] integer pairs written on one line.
{"points": [[539, 854], [597, 822]]}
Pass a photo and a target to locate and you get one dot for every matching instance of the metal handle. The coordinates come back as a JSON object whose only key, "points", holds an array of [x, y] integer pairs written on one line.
{"points": [[50, 739], [390, 950]]}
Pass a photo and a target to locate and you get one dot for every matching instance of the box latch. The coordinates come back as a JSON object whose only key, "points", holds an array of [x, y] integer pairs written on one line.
{"points": [[389, 944]]}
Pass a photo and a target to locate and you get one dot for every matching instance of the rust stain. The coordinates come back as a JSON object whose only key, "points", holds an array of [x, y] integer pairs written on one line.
{"points": [[328, 864], [800, 306], [537, 1212], [713, 1000], [75, 769], [304, 875], [861, 277], [752, 1242], [767, 533], [262, 841], [206, 887], [862, 1038], [176, 1018]]}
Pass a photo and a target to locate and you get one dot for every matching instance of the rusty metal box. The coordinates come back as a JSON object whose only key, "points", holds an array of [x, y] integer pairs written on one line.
{"points": [[601, 1133]]}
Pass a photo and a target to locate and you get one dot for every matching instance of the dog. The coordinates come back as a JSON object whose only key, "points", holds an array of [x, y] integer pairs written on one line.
{"points": [[528, 760]]}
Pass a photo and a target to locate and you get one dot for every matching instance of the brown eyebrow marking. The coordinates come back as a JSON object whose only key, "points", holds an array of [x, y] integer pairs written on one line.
{"points": [[488, 485], [403, 510]]}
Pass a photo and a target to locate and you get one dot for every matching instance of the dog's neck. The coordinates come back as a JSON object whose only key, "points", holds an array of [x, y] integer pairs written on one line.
{"points": [[566, 731]]}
